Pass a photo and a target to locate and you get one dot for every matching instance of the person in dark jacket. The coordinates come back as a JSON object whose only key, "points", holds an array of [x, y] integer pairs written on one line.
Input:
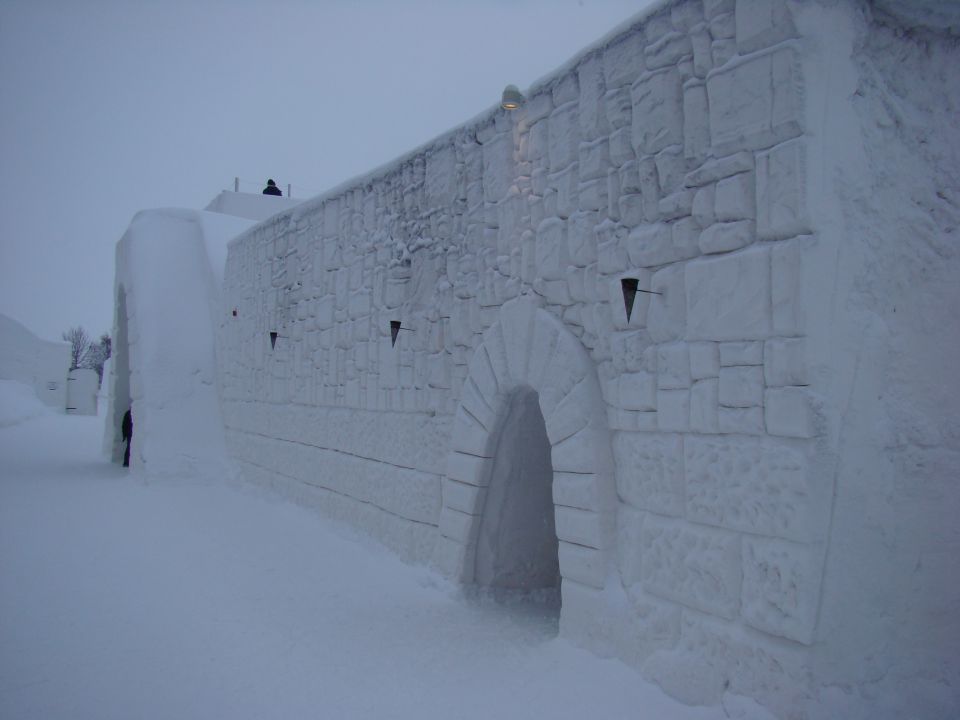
{"points": [[271, 188], [126, 428]]}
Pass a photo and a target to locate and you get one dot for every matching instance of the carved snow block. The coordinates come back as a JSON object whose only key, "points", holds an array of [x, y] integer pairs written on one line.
{"points": [[723, 51], [630, 177], [566, 90], [637, 391], [552, 252], [629, 544], [441, 176], [702, 51], [650, 471], [668, 50], [762, 23], [623, 60], [575, 490], [696, 120], [582, 527], [673, 410], [631, 352], [613, 194], [727, 236], [671, 167], [782, 210], [564, 134], [728, 297], [631, 211], [746, 421], [649, 188], [582, 564], [786, 362], [702, 208], [650, 245], [565, 187], [756, 102], [781, 587], [592, 195], [704, 406], [735, 198], [704, 360], [787, 287], [458, 526], [741, 353], [619, 108], [789, 412], [756, 485], [538, 142], [686, 15], [741, 386], [776, 673], [581, 238], [621, 147], [593, 118], [696, 566], [657, 111], [667, 317], [498, 171], [463, 497], [714, 170], [594, 159], [538, 107], [673, 366]]}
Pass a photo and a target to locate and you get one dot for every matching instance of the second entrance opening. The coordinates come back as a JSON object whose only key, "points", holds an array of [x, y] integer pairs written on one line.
{"points": [[517, 541]]}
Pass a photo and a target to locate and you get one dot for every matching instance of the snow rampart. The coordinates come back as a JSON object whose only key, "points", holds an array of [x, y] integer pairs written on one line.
{"points": [[164, 367], [709, 155], [40, 364]]}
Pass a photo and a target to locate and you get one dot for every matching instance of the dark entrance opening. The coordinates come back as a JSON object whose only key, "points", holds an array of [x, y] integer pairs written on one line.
{"points": [[517, 541]]}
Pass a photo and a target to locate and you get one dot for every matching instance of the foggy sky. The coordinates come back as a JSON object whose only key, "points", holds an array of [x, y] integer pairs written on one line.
{"points": [[110, 107]]}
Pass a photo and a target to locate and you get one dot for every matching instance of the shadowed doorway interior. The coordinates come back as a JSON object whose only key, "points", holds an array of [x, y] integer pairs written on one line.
{"points": [[517, 541]]}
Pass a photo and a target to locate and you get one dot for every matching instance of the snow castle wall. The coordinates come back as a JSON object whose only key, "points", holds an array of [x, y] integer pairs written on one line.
{"points": [[712, 451], [41, 364], [167, 288]]}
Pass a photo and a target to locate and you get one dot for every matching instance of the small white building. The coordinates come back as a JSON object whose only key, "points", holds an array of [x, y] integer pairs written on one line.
{"points": [[41, 364]]}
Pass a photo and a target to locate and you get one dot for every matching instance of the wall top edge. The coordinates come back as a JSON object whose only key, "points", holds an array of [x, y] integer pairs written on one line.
{"points": [[542, 84]]}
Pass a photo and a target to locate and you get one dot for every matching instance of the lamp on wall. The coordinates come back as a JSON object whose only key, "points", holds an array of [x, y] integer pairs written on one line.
{"points": [[512, 98]]}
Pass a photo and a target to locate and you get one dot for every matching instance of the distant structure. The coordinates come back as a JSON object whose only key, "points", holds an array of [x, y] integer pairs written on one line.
{"points": [[678, 334], [41, 364]]}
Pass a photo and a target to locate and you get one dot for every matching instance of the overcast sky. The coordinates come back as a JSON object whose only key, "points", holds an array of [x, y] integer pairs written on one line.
{"points": [[109, 107]]}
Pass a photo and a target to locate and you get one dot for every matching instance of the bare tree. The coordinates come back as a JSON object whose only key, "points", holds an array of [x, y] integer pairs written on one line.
{"points": [[79, 344], [97, 354]]}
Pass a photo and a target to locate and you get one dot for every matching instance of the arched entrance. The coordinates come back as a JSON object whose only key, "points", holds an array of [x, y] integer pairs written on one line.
{"points": [[517, 547], [528, 358]]}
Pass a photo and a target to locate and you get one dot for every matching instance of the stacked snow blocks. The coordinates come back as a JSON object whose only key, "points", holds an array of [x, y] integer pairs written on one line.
{"points": [[673, 155]]}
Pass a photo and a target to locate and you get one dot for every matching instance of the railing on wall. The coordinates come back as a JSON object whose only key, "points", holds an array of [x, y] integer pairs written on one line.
{"points": [[255, 186]]}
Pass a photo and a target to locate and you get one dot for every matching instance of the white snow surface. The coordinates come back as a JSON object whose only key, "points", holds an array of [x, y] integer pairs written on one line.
{"points": [[127, 598], [19, 403]]}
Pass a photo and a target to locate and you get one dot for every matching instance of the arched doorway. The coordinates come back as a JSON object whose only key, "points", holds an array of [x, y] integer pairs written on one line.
{"points": [[517, 546], [528, 357]]}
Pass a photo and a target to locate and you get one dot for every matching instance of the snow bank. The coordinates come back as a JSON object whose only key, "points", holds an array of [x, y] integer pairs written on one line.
{"points": [[169, 264], [19, 403], [41, 364]]}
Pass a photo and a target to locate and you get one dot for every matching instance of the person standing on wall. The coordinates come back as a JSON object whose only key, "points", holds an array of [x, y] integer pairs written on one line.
{"points": [[271, 188], [126, 429]]}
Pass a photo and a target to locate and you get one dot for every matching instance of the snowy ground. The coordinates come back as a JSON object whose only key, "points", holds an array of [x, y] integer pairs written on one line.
{"points": [[125, 598]]}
